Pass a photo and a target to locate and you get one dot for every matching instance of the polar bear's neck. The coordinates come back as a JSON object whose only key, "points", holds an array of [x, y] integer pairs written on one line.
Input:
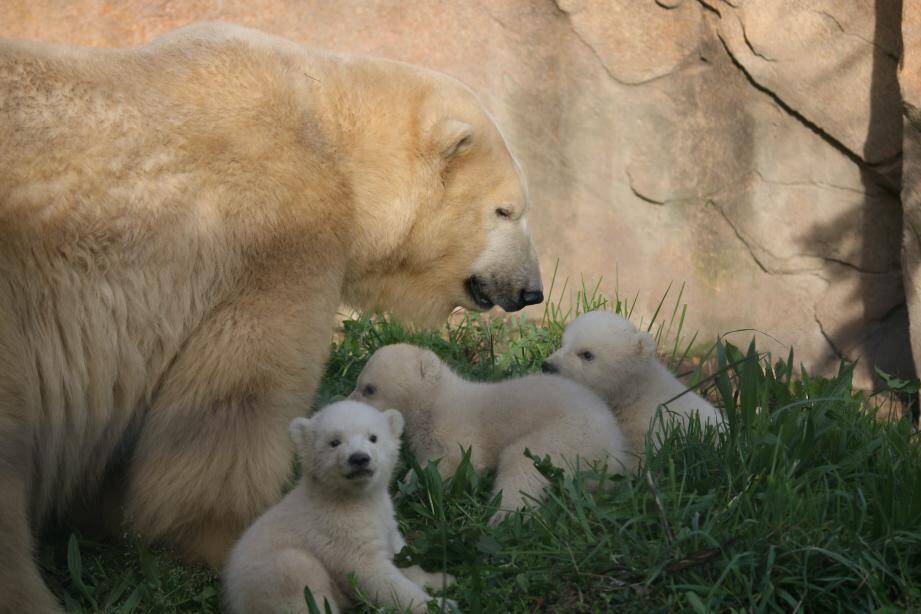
{"points": [[318, 494], [628, 391], [459, 394], [426, 411], [648, 387]]}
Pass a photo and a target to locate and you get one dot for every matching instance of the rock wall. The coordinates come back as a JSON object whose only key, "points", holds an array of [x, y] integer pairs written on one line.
{"points": [[910, 81], [750, 148]]}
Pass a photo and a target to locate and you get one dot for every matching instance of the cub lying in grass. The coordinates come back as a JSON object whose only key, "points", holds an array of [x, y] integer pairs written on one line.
{"points": [[338, 520], [611, 356], [444, 413]]}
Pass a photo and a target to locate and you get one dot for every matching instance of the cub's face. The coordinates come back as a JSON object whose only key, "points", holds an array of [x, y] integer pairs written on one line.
{"points": [[601, 350], [458, 225], [349, 446], [397, 376]]}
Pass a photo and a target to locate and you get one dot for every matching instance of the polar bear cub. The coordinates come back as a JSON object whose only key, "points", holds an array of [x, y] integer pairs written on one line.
{"points": [[339, 519], [607, 353], [444, 413]]}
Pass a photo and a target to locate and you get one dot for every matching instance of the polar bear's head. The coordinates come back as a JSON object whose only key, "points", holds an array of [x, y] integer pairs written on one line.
{"points": [[441, 206], [399, 375], [602, 351], [349, 446]]}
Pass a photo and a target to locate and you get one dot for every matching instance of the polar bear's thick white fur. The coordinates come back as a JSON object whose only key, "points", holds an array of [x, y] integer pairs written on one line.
{"points": [[445, 413], [179, 224], [338, 520], [607, 353]]}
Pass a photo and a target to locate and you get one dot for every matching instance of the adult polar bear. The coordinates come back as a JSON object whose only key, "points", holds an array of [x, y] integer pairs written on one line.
{"points": [[178, 225]]}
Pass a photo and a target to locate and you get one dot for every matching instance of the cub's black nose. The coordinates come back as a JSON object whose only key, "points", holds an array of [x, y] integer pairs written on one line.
{"points": [[359, 459], [548, 367], [532, 297]]}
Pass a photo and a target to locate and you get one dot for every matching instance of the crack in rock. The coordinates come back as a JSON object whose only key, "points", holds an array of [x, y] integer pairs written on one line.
{"points": [[834, 348], [846, 32], [828, 138], [741, 238], [683, 65], [812, 184], [750, 45], [751, 245]]}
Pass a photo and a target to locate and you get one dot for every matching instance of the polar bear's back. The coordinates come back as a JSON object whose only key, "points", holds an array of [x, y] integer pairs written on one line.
{"points": [[549, 414], [116, 224], [660, 386]]}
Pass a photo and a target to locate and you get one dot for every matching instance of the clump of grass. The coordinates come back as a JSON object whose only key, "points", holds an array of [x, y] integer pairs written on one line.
{"points": [[804, 502]]}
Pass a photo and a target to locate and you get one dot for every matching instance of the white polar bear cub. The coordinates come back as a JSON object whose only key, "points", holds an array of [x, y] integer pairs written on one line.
{"points": [[607, 353], [549, 415], [338, 520]]}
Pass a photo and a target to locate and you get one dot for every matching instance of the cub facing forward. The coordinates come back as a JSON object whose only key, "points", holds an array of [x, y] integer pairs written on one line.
{"points": [[444, 413], [607, 353], [338, 520]]}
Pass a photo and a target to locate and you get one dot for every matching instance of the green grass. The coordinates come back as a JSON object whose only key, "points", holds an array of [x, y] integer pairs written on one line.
{"points": [[804, 503]]}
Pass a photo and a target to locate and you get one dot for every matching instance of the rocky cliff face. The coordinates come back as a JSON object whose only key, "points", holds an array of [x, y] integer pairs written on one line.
{"points": [[751, 148], [910, 81]]}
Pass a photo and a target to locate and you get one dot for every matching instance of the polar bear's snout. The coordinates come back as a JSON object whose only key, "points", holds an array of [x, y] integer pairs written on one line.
{"points": [[487, 292], [359, 465], [358, 459], [507, 273], [549, 367]]}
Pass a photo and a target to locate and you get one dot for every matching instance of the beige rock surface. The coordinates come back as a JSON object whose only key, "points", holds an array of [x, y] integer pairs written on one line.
{"points": [[749, 148], [910, 83]]}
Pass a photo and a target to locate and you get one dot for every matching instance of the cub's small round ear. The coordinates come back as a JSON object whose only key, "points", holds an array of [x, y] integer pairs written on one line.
{"points": [[299, 431], [429, 365], [451, 137], [395, 422], [645, 345]]}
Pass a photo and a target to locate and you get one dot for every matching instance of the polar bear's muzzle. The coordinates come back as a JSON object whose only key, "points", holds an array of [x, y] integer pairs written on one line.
{"points": [[359, 464], [510, 296]]}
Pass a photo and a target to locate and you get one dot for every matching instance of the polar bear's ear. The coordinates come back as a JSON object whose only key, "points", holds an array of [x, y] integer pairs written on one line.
{"points": [[451, 137], [645, 346], [299, 431], [429, 365], [395, 422]]}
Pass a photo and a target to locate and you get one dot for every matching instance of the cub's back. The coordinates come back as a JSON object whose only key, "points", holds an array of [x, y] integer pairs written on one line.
{"points": [[515, 407]]}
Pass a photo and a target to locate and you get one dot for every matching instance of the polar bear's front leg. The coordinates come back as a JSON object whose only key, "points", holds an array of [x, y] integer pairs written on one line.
{"points": [[21, 585], [213, 451], [432, 581], [517, 479], [384, 584]]}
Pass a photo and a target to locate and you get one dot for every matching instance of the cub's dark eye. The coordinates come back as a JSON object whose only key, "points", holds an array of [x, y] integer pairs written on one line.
{"points": [[373, 438], [503, 213], [369, 390], [334, 443], [586, 355]]}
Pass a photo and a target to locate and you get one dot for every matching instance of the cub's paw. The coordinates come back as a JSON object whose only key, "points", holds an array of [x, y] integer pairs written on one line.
{"points": [[432, 581], [447, 605], [440, 580]]}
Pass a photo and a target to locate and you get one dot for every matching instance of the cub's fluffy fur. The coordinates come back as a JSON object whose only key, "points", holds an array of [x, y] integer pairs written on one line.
{"points": [[338, 520], [549, 415], [607, 353]]}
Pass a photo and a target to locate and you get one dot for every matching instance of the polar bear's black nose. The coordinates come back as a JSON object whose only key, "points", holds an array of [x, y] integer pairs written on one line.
{"points": [[359, 459], [548, 367], [532, 297]]}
